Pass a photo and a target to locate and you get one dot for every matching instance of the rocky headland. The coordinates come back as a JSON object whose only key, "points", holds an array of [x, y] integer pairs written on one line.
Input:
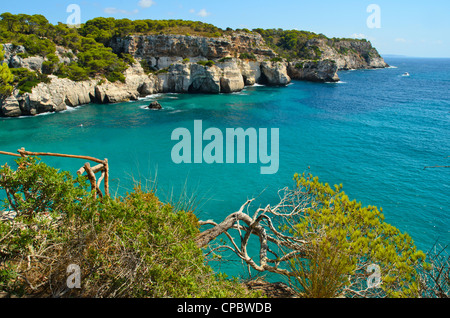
{"points": [[166, 63]]}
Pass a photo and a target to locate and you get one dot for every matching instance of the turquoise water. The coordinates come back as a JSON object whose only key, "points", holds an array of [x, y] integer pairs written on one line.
{"points": [[374, 132]]}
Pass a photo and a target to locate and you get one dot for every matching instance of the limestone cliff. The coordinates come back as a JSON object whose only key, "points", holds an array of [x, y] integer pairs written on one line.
{"points": [[349, 54], [163, 50]]}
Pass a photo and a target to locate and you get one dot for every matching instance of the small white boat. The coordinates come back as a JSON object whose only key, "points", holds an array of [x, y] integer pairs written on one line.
{"points": [[405, 74]]}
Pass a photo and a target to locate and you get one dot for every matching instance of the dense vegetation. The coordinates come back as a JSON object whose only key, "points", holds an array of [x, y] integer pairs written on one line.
{"points": [[39, 37], [132, 246], [347, 239], [104, 29], [86, 47], [292, 43]]}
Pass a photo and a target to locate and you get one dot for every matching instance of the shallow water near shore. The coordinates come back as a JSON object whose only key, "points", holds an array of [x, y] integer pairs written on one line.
{"points": [[374, 132]]}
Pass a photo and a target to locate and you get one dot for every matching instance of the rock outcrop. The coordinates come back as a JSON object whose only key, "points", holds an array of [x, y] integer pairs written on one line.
{"points": [[275, 73], [10, 107], [154, 105], [15, 56], [110, 93], [232, 79], [348, 54], [314, 71]]}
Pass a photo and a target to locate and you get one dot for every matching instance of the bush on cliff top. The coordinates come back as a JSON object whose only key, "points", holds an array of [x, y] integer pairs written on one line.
{"points": [[208, 63], [104, 29]]}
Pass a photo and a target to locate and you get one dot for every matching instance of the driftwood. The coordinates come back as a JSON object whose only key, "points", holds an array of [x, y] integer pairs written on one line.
{"points": [[102, 167]]}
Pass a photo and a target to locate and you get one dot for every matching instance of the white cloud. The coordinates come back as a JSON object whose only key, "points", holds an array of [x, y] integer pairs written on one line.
{"points": [[192, 11], [203, 13], [146, 3], [120, 11], [400, 40]]}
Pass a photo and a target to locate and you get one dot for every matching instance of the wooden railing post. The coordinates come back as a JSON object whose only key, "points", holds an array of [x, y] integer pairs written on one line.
{"points": [[106, 165]]}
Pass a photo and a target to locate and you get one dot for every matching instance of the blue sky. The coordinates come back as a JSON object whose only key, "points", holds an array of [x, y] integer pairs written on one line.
{"points": [[412, 28]]}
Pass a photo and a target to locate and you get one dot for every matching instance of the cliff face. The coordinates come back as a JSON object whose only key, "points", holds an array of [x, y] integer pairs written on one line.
{"points": [[179, 56], [350, 54], [314, 71], [55, 96], [334, 56], [239, 60], [155, 47]]}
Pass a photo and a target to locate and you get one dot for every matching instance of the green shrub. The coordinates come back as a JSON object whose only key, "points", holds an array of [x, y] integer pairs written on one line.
{"points": [[73, 72], [247, 56], [100, 60], [50, 66], [343, 50], [115, 76], [37, 188], [127, 58], [162, 71], [317, 51], [23, 55], [276, 59], [146, 66], [225, 59], [25, 80], [37, 46], [208, 63]]}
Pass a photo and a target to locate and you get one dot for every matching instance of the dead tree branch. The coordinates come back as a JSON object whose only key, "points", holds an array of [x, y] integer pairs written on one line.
{"points": [[272, 242]]}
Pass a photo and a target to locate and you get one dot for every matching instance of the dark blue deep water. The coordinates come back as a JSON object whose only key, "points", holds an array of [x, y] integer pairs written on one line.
{"points": [[374, 132]]}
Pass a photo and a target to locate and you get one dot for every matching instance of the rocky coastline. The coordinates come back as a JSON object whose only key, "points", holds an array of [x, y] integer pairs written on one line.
{"points": [[183, 64]]}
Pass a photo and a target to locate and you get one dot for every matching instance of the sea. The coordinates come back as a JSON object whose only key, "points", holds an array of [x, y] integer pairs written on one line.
{"points": [[383, 134]]}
